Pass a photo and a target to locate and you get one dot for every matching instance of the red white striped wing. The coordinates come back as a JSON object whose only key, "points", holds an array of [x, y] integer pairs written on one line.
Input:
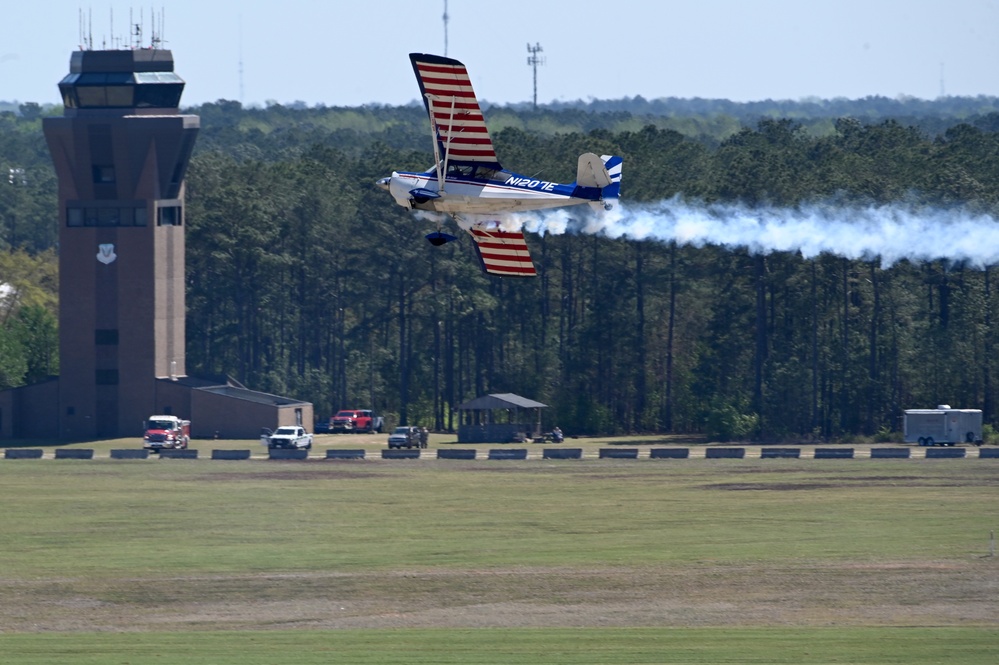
{"points": [[503, 252], [453, 109]]}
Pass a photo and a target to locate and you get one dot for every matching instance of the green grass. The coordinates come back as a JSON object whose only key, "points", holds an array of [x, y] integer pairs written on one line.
{"points": [[589, 646], [103, 517], [595, 561]]}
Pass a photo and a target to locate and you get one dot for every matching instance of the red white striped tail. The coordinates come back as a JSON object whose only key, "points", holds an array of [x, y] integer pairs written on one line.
{"points": [[453, 109], [503, 253]]}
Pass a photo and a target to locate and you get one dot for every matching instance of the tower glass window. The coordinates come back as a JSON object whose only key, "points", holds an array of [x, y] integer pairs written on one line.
{"points": [[103, 174], [121, 90], [106, 336], [169, 216], [106, 377], [108, 217], [74, 216]]}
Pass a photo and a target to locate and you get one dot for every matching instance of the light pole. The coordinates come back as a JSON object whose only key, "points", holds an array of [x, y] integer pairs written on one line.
{"points": [[18, 179]]}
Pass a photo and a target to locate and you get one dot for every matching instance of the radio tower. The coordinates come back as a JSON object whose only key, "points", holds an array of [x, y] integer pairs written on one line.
{"points": [[445, 28], [533, 61]]}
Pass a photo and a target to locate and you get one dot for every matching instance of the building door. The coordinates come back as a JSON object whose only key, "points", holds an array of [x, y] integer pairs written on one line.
{"points": [[107, 419]]}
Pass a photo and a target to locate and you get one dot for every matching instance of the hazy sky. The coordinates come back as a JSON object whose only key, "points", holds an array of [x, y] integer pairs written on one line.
{"points": [[351, 53]]}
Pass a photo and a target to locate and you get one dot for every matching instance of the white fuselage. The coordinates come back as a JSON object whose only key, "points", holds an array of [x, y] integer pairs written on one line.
{"points": [[478, 197]]}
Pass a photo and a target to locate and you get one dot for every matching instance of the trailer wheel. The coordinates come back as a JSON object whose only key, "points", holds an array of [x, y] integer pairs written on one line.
{"points": [[930, 441], [970, 437], [922, 441]]}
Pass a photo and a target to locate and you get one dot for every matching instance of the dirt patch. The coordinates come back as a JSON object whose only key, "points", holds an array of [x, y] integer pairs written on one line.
{"points": [[312, 473], [852, 593], [776, 487]]}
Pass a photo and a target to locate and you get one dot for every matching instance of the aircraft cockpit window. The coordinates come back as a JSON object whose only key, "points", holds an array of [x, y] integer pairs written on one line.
{"points": [[456, 171], [484, 173]]}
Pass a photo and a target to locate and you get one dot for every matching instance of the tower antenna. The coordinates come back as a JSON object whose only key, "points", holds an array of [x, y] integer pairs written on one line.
{"points": [[157, 35], [136, 31], [533, 61], [445, 28]]}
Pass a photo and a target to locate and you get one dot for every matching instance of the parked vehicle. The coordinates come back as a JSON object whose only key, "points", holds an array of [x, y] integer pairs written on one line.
{"points": [[290, 437], [356, 420], [166, 432], [943, 426], [404, 437], [321, 427], [554, 436]]}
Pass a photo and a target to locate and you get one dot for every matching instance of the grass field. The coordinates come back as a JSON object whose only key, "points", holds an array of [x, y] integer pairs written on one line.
{"points": [[685, 561]]}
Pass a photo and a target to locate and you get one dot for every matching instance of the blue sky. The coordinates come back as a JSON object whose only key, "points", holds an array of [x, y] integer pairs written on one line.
{"points": [[352, 53]]}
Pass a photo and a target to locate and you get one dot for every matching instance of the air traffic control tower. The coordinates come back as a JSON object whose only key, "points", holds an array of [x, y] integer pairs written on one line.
{"points": [[120, 150]]}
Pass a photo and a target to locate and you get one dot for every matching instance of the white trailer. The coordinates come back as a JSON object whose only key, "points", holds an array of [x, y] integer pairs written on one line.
{"points": [[943, 426]]}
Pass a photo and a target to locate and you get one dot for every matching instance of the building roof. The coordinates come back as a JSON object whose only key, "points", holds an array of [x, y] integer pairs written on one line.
{"points": [[501, 401], [193, 381], [250, 395]]}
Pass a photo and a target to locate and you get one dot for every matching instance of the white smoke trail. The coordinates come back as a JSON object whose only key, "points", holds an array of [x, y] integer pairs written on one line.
{"points": [[891, 232]]}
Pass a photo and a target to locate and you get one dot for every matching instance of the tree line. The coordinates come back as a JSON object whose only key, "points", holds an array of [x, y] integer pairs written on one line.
{"points": [[304, 279]]}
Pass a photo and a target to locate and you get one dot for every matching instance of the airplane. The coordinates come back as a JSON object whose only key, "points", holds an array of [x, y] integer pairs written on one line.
{"points": [[468, 183]]}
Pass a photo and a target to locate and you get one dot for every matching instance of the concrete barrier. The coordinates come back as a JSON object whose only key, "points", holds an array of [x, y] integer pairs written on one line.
{"points": [[342, 453], [74, 453], [230, 454], [288, 453], [986, 453], [456, 453], [669, 453], [619, 453], [834, 453], [400, 453], [720, 453], [508, 453], [889, 453], [129, 453], [22, 453], [778, 453], [562, 453], [945, 453], [179, 453]]}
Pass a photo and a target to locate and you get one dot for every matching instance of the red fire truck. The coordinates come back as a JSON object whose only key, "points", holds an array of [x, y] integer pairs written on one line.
{"points": [[166, 432]]}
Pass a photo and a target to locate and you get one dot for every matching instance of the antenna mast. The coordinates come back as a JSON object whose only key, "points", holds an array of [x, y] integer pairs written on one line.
{"points": [[445, 28], [533, 61], [86, 31]]}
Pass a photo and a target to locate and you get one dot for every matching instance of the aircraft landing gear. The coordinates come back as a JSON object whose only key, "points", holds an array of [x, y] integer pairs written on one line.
{"points": [[438, 238]]}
